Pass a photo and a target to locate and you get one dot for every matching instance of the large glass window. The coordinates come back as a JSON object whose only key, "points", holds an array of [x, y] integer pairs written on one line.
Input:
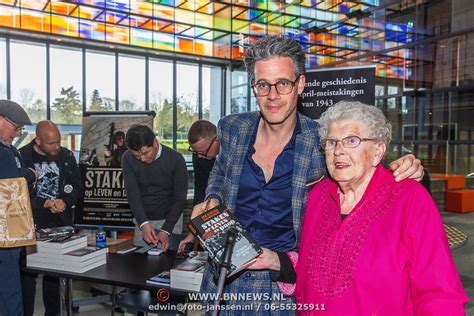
{"points": [[161, 98], [28, 77], [187, 102], [240, 86], [211, 93], [100, 81], [3, 69], [131, 83], [66, 85]]}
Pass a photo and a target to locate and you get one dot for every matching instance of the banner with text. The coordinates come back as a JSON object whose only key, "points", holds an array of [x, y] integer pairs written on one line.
{"points": [[326, 87], [103, 144]]}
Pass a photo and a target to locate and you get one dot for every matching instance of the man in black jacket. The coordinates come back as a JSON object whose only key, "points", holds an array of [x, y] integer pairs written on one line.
{"points": [[204, 146], [12, 119], [58, 189]]}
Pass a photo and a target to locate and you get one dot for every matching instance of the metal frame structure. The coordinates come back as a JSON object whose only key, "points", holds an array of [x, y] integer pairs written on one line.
{"points": [[330, 31]]}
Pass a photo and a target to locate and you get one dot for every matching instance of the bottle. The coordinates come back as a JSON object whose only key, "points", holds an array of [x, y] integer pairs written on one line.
{"points": [[100, 237]]}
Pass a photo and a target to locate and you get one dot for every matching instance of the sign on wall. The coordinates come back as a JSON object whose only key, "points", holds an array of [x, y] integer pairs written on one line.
{"points": [[326, 87], [102, 146]]}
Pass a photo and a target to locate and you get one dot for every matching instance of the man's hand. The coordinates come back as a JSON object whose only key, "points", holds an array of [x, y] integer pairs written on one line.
{"points": [[59, 205], [407, 167], [164, 240], [201, 207], [149, 234], [55, 206], [187, 240], [268, 260]]}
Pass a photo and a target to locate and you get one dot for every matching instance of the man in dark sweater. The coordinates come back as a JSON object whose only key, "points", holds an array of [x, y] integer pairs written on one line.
{"points": [[204, 146], [58, 189], [156, 180]]}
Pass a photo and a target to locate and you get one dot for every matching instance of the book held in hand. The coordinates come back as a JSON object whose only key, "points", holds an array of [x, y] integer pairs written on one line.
{"points": [[211, 229]]}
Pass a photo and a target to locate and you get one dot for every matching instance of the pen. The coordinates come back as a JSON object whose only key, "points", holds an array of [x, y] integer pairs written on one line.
{"points": [[207, 204]]}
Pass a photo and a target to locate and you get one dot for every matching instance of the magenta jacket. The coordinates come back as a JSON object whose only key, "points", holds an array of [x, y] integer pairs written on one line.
{"points": [[390, 256]]}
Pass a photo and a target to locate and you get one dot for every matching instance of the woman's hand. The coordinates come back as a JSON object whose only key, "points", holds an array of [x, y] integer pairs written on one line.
{"points": [[268, 260]]}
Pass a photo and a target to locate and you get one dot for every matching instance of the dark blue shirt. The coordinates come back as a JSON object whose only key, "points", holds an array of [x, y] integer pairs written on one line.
{"points": [[264, 209]]}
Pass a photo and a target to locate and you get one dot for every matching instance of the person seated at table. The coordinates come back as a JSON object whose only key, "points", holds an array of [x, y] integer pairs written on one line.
{"points": [[369, 245]]}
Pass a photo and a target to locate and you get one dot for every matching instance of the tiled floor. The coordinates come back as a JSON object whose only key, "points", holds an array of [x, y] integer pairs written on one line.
{"points": [[463, 257]]}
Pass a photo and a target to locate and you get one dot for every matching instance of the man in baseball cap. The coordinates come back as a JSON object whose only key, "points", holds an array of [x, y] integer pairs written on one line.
{"points": [[12, 119]]}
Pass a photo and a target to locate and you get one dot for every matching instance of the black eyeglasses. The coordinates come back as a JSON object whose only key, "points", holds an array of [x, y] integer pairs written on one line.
{"points": [[16, 126], [285, 86], [347, 142], [190, 149]]}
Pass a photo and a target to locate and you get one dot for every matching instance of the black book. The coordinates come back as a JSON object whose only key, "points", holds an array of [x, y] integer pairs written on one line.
{"points": [[211, 229], [54, 233]]}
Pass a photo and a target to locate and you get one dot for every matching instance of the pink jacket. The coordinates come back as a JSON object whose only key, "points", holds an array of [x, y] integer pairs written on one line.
{"points": [[390, 255]]}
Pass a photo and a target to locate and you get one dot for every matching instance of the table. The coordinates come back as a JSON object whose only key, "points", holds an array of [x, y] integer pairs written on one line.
{"points": [[127, 270]]}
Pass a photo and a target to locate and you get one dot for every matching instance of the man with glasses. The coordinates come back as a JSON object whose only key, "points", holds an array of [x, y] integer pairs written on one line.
{"points": [[267, 163], [156, 180], [204, 146], [12, 119]]}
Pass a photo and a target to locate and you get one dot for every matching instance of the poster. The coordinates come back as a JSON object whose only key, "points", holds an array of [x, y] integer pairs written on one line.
{"points": [[326, 87], [102, 146]]}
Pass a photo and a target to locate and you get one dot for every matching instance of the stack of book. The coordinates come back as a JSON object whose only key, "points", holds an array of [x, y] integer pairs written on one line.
{"points": [[71, 255], [188, 275]]}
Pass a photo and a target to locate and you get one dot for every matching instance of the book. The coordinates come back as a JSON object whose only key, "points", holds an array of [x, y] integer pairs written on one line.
{"points": [[161, 279], [54, 233], [63, 246], [80, 261], [84, 254], [188, 275], [211, 229]]}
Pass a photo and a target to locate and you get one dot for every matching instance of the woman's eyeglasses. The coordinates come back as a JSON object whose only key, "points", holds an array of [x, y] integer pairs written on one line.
{"points": [[347, 142]]}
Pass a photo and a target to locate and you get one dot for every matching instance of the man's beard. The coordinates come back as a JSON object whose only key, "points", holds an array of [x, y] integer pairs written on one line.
{"points": [[51, 156]]}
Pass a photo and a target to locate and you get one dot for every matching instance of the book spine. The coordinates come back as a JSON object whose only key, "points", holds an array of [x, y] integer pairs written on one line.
{"points": [[192, 229]]}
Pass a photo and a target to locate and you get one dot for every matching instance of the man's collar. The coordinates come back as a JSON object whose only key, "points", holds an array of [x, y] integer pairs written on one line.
{"points": [[160, 149]]}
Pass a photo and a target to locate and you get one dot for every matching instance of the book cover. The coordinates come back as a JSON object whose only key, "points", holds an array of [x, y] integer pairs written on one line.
{"points": [[161, 279], [211, 230], [54, 233], [194, 263], [84, 254]]}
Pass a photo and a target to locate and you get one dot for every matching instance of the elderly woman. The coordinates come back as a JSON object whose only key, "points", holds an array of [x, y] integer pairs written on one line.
{"points": [[370, 245]]}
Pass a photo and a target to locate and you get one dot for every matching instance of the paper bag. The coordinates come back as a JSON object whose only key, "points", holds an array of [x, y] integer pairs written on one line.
{"points": [[16, 219]]}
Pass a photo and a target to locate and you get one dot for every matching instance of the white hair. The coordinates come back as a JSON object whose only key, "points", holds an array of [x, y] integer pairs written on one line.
{"points": [[372, 117]]}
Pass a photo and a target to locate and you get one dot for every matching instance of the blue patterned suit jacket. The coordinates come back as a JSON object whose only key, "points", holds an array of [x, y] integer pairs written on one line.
{"points": [[235, 132]]}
